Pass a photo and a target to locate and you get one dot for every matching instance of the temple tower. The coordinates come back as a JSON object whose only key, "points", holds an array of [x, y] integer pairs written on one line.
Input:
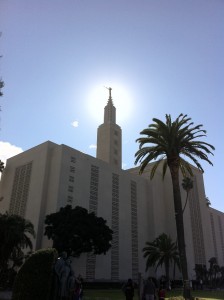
{"points": [[109, 136]]}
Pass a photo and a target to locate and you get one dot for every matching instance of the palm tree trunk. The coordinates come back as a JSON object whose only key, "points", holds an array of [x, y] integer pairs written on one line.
{"points": [[174, 170], [167, 269], [185, 202]]}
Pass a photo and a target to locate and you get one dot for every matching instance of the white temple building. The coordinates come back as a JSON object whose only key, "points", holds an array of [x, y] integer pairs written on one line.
{"points": [[48, 176]]}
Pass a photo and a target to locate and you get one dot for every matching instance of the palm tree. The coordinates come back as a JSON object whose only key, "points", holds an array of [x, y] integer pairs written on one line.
{"points": [[187, 185], [1, 86], [167, 142], [214, 269], [15, 233], [208, 202], [162, 251]]}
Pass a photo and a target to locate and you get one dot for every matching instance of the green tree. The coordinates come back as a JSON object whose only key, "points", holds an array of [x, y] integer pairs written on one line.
{"points": [[214, 269], [221, 282], [1, 166], [167, 142], [1, 86], [75, 231], [201, 272], [161, 251], [35, 277], [15, 235], [208, 202]]}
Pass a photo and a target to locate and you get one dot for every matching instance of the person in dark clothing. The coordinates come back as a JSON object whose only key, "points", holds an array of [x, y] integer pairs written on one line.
{"points": [[129, 289], [162, 293], [149, 289]]}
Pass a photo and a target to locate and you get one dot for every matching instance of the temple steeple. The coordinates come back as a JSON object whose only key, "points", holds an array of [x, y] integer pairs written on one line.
{"points": [[110, 110], [109, 136]]}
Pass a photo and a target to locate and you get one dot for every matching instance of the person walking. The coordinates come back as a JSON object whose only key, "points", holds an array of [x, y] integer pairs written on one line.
{"points": [[149, 289], [162, 293], [129, 289]]}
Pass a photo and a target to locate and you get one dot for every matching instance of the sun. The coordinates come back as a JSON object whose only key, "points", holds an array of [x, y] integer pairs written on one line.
{"points": [[98, 97]]}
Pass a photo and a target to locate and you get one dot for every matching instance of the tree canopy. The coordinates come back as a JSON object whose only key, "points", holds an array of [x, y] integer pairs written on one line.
{"points": [[161, 251], [1, 86], [169, 141], [1, 166], [15, 234], [76, 231]]}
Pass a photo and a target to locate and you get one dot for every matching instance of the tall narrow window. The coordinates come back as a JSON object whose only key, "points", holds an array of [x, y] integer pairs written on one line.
{"points": [[115, 228], [221, 235], [20, 190], [196, 224], [134, 230], [93, 204], [214, 235]]}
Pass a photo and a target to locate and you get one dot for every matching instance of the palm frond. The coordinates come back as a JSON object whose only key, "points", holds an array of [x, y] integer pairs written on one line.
{"points": [[173, 139]]}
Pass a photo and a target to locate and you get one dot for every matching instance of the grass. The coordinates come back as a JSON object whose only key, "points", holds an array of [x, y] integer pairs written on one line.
{"points": [[204, 294], [116, 294], [119, 295]]}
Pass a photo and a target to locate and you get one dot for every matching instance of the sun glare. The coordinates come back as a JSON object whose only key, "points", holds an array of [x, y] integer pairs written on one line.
{"points": [[98, 97]]}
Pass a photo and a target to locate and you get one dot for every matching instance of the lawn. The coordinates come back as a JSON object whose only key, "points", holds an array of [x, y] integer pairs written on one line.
{"points": [[119, 295]]}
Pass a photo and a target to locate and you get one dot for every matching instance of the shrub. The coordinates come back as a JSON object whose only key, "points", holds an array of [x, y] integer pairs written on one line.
{"points": [[34, 279]]}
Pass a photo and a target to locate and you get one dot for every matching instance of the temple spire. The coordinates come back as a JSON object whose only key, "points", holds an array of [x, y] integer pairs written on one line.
{"points": [[109, 136], [109, 109], [110, 89]]}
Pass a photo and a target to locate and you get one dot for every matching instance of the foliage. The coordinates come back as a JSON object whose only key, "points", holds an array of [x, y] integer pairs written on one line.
{"points": [[1, 86], [166, 143], [161, 251], [213, 277], [75, 231], [1, 166], [208, 202], [15, 233], [34, 279], [213, 271], [171, 140], [201, 272]]}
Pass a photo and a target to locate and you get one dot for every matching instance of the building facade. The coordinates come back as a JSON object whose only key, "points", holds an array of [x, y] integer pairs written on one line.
{"points": [[44, 178]]}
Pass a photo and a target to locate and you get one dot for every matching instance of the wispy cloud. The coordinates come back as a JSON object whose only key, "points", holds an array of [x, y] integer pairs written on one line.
{"points": [[8, 150], [92, 146], [75, 123]]}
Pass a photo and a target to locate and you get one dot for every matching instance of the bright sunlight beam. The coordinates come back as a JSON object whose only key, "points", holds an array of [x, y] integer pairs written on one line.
{"points": [[98, 97]]}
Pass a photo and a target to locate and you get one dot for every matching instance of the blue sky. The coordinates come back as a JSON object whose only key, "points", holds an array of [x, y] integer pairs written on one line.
{"points": [[159, 56]]}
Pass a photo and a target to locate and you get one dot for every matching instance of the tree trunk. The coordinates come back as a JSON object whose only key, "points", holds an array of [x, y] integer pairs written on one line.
{"points": [[167, 269], [174, 170]]}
